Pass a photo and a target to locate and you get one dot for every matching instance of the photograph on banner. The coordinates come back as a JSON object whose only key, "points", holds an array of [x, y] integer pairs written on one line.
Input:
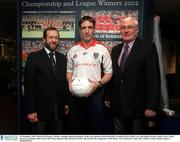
{"points": [[108, 21], [34, 23], [29, 46], [110, 44]]}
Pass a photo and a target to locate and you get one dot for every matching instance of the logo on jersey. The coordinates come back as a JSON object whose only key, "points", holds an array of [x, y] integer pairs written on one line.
{"points": [[74, 56], [96, 55], [1, 137]]}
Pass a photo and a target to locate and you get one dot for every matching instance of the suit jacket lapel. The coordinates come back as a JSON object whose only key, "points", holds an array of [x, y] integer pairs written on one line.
{"points": [[116, 57], [47, 62], [57, 63], [132, 54]]}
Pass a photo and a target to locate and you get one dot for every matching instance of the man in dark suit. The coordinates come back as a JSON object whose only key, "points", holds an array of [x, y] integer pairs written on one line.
{"points": [[135, 86], [46, 86]]}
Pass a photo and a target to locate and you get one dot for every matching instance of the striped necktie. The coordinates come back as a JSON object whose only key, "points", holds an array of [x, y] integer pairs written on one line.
{"points": [[51, 54], [124, 57]]}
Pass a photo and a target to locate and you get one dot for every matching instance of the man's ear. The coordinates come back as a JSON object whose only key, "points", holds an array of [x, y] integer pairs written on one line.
{"points": [[137, 30], [80, 33]]}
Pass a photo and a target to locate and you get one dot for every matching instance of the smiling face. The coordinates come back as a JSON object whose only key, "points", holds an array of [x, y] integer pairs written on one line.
{"points": [[129, 30], [51, 39], [87, 30]]}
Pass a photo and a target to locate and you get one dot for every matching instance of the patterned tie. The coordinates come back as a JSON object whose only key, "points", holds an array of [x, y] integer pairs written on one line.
{"points": [[124, 58], [51, 54]]}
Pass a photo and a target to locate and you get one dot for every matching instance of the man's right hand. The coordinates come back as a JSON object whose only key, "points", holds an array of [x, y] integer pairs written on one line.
{"points": [[32, 117], [107, 104], [70, 86]]}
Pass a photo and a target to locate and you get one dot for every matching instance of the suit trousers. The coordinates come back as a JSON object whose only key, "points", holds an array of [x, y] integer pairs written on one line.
{"points": [[86, 114], [129, 125], [48, 127]]}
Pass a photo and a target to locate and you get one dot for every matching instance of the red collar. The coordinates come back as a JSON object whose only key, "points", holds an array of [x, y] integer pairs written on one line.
{"points": [[86, 46]]}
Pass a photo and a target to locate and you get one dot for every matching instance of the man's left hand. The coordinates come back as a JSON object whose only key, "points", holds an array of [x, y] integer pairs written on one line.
{"points": [[66, 109], [149, 113], [94, 85]]}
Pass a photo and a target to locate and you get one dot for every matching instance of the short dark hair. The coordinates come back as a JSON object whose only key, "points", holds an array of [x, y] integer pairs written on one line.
{"points": [[87, 18], [49, 29]]}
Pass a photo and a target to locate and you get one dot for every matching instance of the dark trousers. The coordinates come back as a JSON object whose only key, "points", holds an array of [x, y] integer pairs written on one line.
{"points": [[86, 114], [130, 125], [47, 127]]}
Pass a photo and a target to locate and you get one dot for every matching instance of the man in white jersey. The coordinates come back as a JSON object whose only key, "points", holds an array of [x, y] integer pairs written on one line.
{"points": [[89, 59]]}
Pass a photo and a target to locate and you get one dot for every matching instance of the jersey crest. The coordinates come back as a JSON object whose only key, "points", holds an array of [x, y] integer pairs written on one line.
{"points": [[96, 55]]}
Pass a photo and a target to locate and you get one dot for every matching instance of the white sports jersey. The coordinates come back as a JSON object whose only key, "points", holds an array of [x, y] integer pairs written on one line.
{"points": [[87, 62]]}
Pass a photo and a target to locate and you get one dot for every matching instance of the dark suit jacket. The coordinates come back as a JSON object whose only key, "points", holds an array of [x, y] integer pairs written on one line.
{"points": [[138, 87], [42, 88]]}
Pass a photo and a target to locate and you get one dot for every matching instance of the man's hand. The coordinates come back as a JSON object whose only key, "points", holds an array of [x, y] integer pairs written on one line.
{"points": [[70, 87], [66, 109], [149, 113], [107, 104], [94, 86], [32, 117]]}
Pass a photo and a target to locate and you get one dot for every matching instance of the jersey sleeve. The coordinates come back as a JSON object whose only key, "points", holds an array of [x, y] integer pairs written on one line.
{"points": [[69, 62], [107, 62]]}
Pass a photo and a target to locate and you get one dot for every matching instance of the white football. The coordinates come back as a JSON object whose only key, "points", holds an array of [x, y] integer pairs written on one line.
{"points": [[81, 86]]}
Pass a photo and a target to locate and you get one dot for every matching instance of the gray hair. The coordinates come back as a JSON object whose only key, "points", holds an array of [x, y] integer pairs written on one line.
{"points": [[131, 19]]}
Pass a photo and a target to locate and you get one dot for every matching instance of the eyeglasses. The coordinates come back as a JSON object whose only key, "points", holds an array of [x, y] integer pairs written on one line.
{"points": [[130, 27]]}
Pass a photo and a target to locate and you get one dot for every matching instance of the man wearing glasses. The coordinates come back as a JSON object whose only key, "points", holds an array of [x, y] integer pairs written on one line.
{"points": [[134, 88]]}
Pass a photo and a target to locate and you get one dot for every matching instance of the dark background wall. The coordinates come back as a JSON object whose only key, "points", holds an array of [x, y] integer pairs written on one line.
{"points": [[169, 10], [8, 16]]}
